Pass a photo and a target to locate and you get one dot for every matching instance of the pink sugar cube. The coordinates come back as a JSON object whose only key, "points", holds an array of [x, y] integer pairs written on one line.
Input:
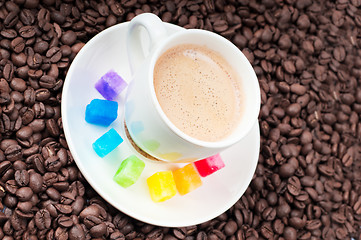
{"points": [[209, 165]]}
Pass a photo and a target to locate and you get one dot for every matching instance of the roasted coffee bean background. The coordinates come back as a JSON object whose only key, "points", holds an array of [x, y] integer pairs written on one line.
{"points": [[308, 60]]}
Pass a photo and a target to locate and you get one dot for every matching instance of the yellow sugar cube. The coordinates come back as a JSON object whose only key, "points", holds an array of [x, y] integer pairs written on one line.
{"points": [[161, 186]]}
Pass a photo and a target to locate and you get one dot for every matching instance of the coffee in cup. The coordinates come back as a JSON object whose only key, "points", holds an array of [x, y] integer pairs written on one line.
{"points": [[198, 91]]}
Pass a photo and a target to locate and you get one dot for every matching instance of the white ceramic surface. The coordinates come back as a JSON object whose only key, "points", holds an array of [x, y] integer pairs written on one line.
{"points": [[219, 191]]}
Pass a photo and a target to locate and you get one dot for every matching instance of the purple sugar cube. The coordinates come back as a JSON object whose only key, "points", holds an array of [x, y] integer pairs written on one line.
{"points": [[110, 85]]}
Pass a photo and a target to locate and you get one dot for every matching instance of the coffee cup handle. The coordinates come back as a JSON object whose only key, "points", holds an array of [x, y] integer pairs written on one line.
{"points": [[155, 30]]}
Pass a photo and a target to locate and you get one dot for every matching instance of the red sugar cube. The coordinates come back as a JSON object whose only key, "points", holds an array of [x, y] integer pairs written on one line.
{"points": [[209, 165]]}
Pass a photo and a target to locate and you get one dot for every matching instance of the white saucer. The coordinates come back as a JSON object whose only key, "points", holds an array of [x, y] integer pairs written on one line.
{"points": [[219, 191]]}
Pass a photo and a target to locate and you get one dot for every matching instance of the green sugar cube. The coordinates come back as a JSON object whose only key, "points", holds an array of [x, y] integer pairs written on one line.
{"points": [[129, 171]]}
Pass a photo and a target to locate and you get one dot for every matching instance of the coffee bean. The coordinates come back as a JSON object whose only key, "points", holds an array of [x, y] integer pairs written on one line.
{"points": [[266, 231], [5, 98], [34, 61], [65, 221], [290, 233], [27, 31], [27, 17], [257, 183], [10, 201], [313, 224], [91, 221], [155, 234], [294, 185], [13, 153], [65, 209], [53, 193], [24, 193], [25, 207], [269, 214], [47, 81], [11, 19], [22, 177], [297, 222], [39, 110], [307, 181], [11, 186], [4, 144], [117, 9], [18, 59], [4, 166], [293, 109], [298, 89], [326, 170], [35, 182], [52, 127], [24, 133], [98, 230], [8, 33], [230, 228], [54, 54], [43, 219], [61, 233], [18, 44], [69, 37], [289, 67], [77, 232], [220, 25], [18, 84], [287, 170], [52, 164]]}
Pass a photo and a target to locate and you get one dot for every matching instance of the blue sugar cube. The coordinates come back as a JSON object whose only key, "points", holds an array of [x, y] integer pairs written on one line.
{"points": [[107, 142], [129, 171], [136, 127], [101, 112], [110, 85]]}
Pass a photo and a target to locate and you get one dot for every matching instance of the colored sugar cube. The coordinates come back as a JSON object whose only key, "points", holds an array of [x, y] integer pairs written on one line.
{"points": [[129, 171], [151, 145], [107, 142], [137, 127], [110, 85], [101, 112], [161, 186], [186, 179], [209, 165]]}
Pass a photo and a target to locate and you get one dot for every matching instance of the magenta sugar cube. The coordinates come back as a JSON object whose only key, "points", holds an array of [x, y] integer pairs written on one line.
{"points": [[209, 165], [110, 85]]}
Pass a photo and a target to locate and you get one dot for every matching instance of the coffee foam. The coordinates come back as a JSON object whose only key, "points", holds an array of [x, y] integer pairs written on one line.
{"points": [[198, 91]]}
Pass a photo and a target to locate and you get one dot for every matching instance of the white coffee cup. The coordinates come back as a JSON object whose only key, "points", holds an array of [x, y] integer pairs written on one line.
{"points": [[148, 126]]}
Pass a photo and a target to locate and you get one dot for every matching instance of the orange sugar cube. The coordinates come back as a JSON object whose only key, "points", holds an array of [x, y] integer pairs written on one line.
{"points": [[187, 179]]}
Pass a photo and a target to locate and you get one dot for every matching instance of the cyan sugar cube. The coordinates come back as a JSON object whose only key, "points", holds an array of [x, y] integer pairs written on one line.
{"points": [[129, 171], [110, 85], [101, 112], [107, 143]]}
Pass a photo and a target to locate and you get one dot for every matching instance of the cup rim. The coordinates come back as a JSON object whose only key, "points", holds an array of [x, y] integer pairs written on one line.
{"points": [[223, 143]]}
